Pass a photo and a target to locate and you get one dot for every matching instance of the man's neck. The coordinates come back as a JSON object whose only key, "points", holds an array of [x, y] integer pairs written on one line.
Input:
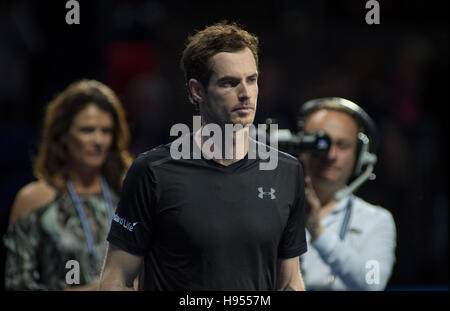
{"points": [[229, 153]]}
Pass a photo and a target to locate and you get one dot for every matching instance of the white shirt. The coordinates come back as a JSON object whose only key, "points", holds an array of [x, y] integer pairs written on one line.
{"points": [[363, 260]]}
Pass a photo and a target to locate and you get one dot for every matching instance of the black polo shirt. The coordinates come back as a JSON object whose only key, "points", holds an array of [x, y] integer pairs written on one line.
{"points": [[204, 226]]}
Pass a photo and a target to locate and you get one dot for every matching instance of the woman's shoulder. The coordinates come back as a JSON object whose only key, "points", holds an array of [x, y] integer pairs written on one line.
{"points": [[31, 197]]}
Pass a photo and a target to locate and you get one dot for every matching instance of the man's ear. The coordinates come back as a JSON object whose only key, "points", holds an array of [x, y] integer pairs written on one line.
{"points": [[197, 90]]}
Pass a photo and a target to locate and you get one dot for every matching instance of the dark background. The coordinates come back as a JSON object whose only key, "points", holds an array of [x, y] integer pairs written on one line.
{"points": [[397, 71]]}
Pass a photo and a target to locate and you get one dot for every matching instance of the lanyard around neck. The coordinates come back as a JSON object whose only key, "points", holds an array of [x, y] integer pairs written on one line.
{"points": [[346, 220], [84, 222]]}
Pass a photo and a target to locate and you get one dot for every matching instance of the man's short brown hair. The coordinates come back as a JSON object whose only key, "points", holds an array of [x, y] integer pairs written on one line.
{"points": [[204, 44]]}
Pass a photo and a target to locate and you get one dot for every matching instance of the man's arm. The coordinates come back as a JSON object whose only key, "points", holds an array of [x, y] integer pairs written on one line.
{"points": [[349, 264], [345, 261], [120, 270], [289, 275]]}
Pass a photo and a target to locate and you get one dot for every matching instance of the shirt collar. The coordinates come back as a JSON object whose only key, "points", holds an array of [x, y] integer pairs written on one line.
{"points": [[340, 206]]}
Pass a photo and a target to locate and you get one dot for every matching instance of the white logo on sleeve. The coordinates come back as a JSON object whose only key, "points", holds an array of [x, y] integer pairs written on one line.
{"points": [[125, 223], [262, 193]]}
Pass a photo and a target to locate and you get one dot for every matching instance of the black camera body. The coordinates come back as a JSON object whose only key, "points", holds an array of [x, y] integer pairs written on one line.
{"points": [[317, 143]]}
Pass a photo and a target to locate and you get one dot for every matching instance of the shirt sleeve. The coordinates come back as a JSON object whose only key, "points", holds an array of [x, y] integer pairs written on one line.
{"points": [[132, 225], [293, 241], [368, 268]]}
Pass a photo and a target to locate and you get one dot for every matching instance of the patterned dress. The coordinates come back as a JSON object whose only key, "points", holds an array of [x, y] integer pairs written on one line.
{"points": [[41, 243]]}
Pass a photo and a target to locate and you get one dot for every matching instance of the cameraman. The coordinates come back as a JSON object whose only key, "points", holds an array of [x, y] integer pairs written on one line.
{"points": [[351, 242]]}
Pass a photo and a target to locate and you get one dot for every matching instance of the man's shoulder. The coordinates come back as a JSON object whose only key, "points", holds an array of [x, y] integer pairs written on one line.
{"points": [[286, 162], [287, 158], [162, 153], [371, 210], [154, 156], [283, 157]]}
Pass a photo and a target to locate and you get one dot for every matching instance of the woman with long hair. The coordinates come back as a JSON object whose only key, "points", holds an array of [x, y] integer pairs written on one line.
{"points": [[58, 224]]}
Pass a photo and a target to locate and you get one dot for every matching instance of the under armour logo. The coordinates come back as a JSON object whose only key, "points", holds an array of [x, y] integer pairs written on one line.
{"points": [[262, 193]]}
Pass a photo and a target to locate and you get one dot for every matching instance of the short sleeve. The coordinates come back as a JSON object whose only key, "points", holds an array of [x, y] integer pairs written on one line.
{"points": [[131, 227], [293, 241]]}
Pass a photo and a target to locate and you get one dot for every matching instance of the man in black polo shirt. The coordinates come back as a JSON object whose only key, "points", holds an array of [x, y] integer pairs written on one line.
{"points": [[211, 223]]}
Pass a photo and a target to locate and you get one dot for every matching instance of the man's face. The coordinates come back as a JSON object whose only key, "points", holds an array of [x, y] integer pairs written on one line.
{"points": [[232, 92], [335, 168]]}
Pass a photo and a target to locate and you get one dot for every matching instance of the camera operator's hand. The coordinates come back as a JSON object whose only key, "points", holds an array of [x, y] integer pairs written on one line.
{"points": [[313, 215]]}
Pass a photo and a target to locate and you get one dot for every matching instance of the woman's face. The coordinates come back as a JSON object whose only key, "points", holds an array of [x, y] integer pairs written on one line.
{"points": [[90, 137]]}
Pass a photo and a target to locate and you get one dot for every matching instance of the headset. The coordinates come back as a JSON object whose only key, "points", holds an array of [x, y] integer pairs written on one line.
{"points": [[367, 137]]}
